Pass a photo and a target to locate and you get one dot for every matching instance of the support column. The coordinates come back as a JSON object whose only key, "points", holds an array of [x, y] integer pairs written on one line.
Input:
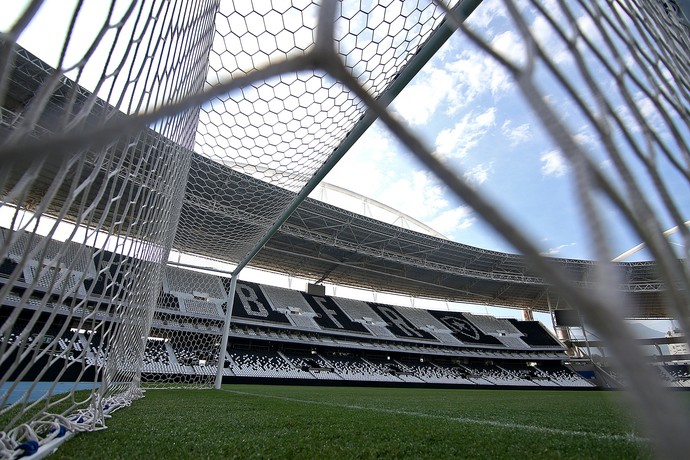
{"points": [[527, 314]]}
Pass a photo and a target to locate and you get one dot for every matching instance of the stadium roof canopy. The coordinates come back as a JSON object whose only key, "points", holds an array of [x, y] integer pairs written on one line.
{"points": [[323, 243]]}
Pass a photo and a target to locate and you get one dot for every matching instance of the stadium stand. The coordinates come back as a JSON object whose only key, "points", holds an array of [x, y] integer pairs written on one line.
{"points": [[679, 374], [198, 293], [434, 373], [142, 202], [426, 322], [398, 324], [362, 313], [293, 305], [501, 329], [352, 367], [313, 363], [559, 376], [279, 333], [533, 333], [330, 316], [251, 303], [265, 364]]}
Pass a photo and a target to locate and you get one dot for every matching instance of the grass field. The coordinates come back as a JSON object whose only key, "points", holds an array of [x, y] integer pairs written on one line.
{"points": [[256, 421]]}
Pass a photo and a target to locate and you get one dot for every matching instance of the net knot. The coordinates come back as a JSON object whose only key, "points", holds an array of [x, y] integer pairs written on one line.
{"points": [[29, 447], [61, 430]]}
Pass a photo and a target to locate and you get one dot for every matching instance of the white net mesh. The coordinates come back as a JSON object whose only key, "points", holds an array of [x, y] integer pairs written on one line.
{"points": [[97, 140], [75, 316]]}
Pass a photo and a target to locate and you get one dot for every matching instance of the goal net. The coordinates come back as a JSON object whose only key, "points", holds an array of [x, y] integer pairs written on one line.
{"points": [[130, 129]]}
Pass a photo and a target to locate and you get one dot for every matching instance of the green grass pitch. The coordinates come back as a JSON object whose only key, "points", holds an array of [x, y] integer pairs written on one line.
{"points": [[262, 421]]}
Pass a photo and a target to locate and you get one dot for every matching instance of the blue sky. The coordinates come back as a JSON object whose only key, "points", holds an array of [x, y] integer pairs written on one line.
{"points": [[470, 112], [467, 109]]}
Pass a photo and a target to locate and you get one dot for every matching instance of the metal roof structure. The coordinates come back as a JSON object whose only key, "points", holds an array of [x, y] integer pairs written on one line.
{"points": [[323, 243], [370, 207], [346, 249]]}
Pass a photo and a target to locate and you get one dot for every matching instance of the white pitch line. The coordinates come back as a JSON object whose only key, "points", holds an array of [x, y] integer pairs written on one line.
{"points": [[471, 421]]}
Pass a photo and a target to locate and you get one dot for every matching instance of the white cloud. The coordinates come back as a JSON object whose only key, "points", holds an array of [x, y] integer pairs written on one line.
{"points": [[419, 195], [487, 118], [367, 166], [486, 13], [456, 142], [510, 45], [549, 40], [372, 168], [628, 119], [478, 174], [459, 75], [517, 134], [651, 113], [589, 29], [557, 250], [420, 100], [553, 164], [475, 74], [452, 220], [584, 137]]}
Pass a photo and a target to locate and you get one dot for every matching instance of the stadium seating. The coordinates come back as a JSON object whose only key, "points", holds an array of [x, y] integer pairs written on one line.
{"points": [[315, 364], [293, 304], [361, 312], [561, 377], [197, 293], [357, 369], [533, 333], [286, 334], [156, 352], [49, 276], [676, 375], [201, 307], [265, 364], [489, 374], [428, 323]]}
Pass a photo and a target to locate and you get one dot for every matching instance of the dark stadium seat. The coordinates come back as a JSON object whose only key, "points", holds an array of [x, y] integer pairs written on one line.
{"points": [[534, 334]]}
